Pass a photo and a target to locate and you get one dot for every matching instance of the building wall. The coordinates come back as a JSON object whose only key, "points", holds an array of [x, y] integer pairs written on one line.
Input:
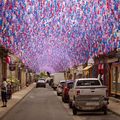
{"points": [[0, 71], [115, 79], [3, 64], [23, 78]]}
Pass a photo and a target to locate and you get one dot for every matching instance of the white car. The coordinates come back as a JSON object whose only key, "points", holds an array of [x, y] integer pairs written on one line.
{"points": [[41, 83], [88, 94]]}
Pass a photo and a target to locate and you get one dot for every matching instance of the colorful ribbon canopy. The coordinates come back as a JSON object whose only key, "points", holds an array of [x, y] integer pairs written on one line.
{"points": [[54, 35]]}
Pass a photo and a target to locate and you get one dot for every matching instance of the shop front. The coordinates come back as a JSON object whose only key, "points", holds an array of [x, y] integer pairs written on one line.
{"points": [[0, 70], [115, 79], [3, 63]]}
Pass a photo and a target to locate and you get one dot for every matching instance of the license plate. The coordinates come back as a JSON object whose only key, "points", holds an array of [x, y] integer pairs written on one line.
{"points": [[88, 108], [92, 103]]}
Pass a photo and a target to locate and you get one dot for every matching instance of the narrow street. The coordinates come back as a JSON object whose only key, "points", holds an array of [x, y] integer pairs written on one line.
{"points": [[44, 104], [72, 45]]}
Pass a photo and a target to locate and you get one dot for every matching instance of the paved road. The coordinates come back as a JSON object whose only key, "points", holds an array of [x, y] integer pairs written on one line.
{"points": [[43, 104], [40, 104]]}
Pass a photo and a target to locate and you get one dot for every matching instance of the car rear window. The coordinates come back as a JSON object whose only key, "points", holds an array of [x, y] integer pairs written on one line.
{"points": [[62, 83], [87, 83], [70, 85]]}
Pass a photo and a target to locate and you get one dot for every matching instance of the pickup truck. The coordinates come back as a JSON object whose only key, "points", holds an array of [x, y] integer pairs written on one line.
{"points": [[88, 94]]}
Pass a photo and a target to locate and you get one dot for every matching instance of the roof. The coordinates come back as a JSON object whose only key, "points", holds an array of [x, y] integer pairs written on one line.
{"points": [[62, 81], [87, 68], [69, 81]]}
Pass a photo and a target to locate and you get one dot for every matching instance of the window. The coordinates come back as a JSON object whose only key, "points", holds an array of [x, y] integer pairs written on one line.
{"points": [[70, 85], [63, 84], [87, 82]]}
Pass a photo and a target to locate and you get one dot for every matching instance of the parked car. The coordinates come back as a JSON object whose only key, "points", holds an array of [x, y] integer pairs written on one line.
{"points": [[50, 82], [88, 94], [68, 85], [60, 87], [41, 83]]}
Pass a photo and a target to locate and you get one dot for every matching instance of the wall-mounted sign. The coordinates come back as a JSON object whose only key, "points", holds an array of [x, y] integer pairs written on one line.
{"points": [[8, 59], [12, 67], [112, 60]]}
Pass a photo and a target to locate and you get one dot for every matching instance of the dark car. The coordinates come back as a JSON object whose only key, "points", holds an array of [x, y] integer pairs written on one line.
{"points": [[68, 85], [41, 83]]}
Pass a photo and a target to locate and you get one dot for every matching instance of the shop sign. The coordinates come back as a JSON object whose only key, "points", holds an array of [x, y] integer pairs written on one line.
{"points": [[112, 60], [12, 67], [101, 68], [8, 59]]}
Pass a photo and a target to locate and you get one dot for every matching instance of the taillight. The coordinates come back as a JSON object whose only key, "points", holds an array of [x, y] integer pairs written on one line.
{"points": [[78, 92], [66, 90]]}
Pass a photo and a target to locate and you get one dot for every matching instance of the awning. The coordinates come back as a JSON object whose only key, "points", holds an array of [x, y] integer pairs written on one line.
{"points": [[112, 60], [87, 68]]}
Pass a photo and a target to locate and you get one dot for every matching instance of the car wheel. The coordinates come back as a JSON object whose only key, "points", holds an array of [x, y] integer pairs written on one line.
{"points": [[63, 99], [58, 94], [54, 88], [105, 110], [74, 110]]}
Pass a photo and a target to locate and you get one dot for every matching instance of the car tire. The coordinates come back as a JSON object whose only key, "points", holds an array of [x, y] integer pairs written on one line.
{"points": [[105, 110], [54, 88], [58, 94], [63, 99], [74, 110]]}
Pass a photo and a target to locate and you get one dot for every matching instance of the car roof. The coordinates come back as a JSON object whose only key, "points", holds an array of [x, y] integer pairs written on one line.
{"points": [[41, 80], [62, 81], [69, 81], [87, 79]]}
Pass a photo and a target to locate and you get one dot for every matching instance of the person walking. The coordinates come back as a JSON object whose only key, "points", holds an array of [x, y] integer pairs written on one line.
{"points": [[4, 93]]}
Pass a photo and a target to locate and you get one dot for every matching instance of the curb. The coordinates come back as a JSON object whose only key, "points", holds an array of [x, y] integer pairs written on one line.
{"points": [[113, 112], [115, 100], [1, 117]]}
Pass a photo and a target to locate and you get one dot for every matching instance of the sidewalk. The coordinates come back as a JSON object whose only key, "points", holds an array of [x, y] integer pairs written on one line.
{"points": [[16, 97], [114, 104]]}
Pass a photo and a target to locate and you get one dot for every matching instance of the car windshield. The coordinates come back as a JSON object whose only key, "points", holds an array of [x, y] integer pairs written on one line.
{"points": [[62, 83], [42, 79], [87, 82], [70, 85]]}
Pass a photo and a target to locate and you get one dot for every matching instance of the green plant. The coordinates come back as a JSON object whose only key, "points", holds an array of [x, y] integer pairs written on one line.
{"points": [[43, 75], [13, 80]]}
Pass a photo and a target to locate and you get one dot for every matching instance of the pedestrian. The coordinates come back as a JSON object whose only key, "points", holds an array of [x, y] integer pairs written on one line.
{"points": [[4, 92]]}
